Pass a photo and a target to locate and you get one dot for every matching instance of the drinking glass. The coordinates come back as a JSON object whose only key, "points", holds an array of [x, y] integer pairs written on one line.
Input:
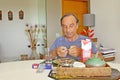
{"points": [[48, 56], [41, 68]]}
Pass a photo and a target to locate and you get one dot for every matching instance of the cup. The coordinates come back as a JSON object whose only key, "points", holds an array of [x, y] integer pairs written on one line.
{"points": [[41, 56], [41, 68], [48, 56]]}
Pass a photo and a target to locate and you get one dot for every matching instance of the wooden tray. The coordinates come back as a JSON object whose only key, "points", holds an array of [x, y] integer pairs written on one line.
{"points": [[114, 76]]}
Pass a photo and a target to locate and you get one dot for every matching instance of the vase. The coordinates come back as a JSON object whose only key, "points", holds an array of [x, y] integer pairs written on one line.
{"points": [[34, 54]]}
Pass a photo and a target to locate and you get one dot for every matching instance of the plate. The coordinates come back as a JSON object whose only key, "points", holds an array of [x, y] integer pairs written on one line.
{"points": [[114, 76], [63, 61]]}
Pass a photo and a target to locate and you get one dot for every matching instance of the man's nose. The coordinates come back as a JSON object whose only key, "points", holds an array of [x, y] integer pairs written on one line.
{"points": [[68, 28]]}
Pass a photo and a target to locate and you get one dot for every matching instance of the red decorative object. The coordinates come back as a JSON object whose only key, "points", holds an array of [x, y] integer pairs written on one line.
{"points": [[89, 33], [84, 32]]}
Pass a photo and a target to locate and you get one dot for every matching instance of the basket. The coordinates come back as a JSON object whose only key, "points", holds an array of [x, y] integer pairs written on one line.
{"points": [[83, 72]]}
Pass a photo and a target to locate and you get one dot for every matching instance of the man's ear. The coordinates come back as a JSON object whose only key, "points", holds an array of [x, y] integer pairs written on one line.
{"points": [[77, 25]]}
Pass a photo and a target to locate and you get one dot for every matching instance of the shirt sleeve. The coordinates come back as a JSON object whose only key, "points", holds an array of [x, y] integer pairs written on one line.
{"points": [[54, 45], [94, 48]]}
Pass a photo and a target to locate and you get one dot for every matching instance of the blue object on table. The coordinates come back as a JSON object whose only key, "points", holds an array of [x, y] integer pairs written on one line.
{"points": [[48, 66]]}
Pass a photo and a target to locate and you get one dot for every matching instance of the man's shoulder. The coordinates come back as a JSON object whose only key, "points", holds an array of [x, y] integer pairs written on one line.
{"points": [[60, 38]]}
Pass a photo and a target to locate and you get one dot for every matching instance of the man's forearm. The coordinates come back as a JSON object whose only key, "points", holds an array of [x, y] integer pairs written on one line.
{"points": [[53, 53]]}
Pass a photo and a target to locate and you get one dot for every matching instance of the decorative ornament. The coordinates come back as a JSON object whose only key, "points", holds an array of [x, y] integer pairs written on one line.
{"points": [[0, 14], [89, 33], [84, 32], [10, 15], [21, 14]]}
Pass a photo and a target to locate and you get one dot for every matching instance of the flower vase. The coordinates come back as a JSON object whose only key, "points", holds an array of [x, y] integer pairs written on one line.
{"points": [[34, 54]]}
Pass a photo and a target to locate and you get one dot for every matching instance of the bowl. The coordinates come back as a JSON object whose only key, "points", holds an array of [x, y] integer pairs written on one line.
{"points": [[95, 62]]}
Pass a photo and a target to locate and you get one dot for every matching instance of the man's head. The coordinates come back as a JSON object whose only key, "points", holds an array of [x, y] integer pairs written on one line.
{"points": [[69, 23]]}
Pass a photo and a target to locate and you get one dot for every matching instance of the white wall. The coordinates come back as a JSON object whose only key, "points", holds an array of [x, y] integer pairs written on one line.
{"points": [[13, 40], [54, 13], [107, 27], [42, 12]]}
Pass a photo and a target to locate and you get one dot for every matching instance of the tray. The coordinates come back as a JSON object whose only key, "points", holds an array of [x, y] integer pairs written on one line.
{"points": [[114, 76]]}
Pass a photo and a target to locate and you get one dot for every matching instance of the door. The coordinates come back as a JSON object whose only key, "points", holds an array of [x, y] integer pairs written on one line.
{"points": [[77, 7]]}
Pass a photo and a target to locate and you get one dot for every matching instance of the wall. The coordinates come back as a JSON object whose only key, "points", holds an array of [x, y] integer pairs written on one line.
{"points": [[42, 12], [107, 26], [42, 22], [54, 13], [13, 40]]}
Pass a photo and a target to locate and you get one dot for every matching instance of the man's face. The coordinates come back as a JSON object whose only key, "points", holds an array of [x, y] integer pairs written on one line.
{"points": [[69, 26]]}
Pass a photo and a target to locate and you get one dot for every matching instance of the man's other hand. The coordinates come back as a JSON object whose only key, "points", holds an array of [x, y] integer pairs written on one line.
{"points": [[75, 51]]}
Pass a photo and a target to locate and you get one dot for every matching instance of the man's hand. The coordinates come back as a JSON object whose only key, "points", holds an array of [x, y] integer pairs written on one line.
{"points": [[62, 51], [75, 51]]}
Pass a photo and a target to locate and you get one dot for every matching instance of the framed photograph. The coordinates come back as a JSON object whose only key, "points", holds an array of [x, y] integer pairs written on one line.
{"points": [[0, 14]]}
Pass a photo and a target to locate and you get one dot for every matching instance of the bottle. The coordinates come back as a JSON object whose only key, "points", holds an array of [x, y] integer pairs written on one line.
{"points": [[48, 59]]}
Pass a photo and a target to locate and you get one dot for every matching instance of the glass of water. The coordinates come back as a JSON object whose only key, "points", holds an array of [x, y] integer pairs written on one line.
{"points": [[48, 56], [41, 68]]}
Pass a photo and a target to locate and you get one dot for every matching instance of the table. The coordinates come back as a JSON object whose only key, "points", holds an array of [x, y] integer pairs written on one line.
{"points": [[22, 70]]}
